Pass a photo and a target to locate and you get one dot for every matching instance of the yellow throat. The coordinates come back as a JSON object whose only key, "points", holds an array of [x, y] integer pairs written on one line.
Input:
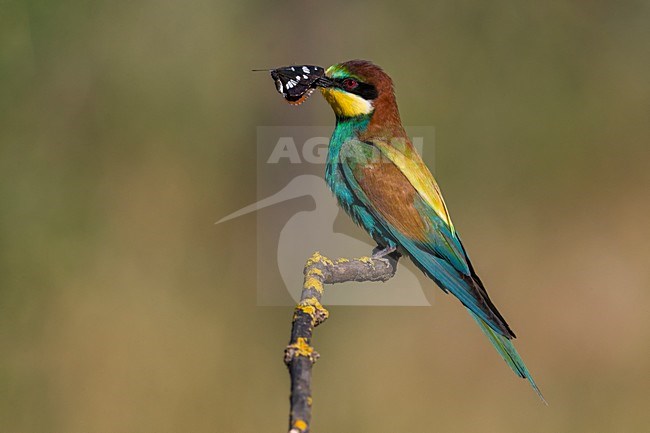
{"points": [[346, 104]]}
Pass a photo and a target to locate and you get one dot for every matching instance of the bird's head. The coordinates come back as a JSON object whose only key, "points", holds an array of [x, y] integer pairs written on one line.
{"points": [[357, 88]]}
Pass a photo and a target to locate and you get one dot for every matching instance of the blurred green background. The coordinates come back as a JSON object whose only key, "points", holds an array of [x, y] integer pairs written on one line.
{"points": [[128, 128]]}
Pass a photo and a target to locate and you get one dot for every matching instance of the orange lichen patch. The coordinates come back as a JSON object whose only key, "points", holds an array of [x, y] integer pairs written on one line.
{"points": [[341, 260], [315, 271], [300, 425], [300, 348], [313, 302], [309, 401], [307, 309], [368, 260], [318, 258], [313, 275], [314, 309], [313, 283]]}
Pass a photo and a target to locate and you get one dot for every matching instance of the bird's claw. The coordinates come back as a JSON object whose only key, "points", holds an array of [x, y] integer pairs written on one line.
{"points": [[378, 254]]}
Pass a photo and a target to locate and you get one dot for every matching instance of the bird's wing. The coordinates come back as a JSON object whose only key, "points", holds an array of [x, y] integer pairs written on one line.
{"points": [[401, 193], [411, 165]]}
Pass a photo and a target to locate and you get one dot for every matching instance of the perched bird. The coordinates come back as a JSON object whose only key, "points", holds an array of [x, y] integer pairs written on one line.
{"points": [[380, 180]]}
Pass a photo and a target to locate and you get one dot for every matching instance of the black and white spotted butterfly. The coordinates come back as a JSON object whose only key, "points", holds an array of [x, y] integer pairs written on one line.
{"points": [[297, 83]]}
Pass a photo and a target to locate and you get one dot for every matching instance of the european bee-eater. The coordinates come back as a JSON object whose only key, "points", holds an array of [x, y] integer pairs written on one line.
{"points": [[380, 180]]}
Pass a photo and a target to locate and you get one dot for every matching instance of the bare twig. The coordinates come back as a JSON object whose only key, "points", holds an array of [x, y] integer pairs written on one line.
{"points": [[309, 313]]}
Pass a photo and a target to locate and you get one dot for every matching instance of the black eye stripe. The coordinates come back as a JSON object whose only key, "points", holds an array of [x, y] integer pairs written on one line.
{"points": [[365, 90]]}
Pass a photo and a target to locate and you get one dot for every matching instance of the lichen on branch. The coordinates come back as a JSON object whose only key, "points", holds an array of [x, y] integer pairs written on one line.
{"points": [[299, 355]]}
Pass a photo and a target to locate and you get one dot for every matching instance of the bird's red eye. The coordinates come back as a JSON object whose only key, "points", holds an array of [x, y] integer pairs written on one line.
{"points": [[350, 84]]}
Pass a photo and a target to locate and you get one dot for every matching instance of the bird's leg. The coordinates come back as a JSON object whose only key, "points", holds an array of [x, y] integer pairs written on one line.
{"points": [[379, 253]]}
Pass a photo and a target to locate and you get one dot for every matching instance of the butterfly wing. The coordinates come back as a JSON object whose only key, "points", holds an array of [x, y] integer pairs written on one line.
{"points": [[296, 83]]}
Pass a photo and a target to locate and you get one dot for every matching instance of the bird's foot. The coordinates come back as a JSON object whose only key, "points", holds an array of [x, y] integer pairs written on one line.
{"points": [[378, 254]]}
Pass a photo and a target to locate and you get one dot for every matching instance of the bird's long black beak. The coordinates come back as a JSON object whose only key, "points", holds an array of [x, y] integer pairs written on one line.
{"points": [[325, 82]]}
